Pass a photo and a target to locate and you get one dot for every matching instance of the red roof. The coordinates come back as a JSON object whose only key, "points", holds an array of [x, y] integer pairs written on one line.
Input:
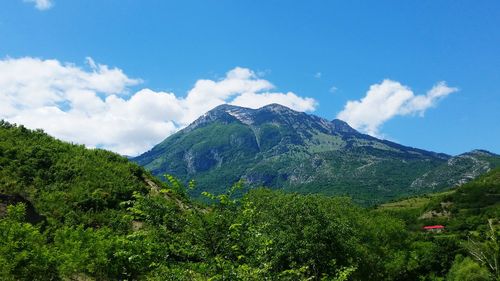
{"points": [[433, 227]]}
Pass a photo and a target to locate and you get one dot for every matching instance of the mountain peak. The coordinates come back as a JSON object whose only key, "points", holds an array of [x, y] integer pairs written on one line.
{"points": [[225, 113], [276, 107], [480, 152], [272, 106], [226, 106], [277, 113], [342, 126]]}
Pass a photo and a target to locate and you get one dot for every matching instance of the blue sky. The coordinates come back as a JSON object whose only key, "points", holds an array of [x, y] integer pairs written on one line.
{"points": [[329, 51]]}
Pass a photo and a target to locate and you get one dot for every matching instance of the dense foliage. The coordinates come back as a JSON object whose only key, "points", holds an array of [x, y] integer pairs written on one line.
{"points": [[70, 213]]}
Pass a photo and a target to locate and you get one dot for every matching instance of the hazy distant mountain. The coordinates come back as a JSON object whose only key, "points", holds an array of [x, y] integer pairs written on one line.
{"points": [[278, 147]]}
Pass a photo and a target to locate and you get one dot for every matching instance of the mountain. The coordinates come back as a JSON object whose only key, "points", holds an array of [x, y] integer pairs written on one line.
{"points": [[278, 147], [459, 169]]}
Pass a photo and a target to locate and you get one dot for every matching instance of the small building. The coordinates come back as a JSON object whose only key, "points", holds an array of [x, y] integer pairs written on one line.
{"points": [[433, 228]]}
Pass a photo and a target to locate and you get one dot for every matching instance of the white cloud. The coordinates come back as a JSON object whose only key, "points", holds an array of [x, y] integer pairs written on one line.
{"points": [[333, 89], [41, 4], [93, 105], [318, 75], [389, 99], [291, 100], [240, 86]]}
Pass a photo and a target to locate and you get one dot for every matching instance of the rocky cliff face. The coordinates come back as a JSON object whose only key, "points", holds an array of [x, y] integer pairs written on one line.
{"points": [[278, 147]]}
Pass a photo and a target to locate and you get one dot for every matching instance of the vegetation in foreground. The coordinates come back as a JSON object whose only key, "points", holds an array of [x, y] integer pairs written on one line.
{"points": [[69, 213]]}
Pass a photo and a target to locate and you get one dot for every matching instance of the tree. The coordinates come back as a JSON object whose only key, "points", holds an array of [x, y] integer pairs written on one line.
{"points": [[23, 252], [487, 252], [466, 269]]}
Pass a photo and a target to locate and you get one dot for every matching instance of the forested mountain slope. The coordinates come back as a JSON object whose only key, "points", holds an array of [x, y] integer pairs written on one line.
{"points": [[277, 147]]}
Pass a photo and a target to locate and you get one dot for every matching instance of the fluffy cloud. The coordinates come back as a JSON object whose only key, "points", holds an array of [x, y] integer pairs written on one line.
{"points": [[41, 4], [254, 100], [93, 105], [389, 99], [240, 86]]}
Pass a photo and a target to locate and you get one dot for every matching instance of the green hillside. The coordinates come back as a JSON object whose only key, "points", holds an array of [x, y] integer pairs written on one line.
{"points": [[67, 182], [470, 215], [67, 211], [462, 209]]}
